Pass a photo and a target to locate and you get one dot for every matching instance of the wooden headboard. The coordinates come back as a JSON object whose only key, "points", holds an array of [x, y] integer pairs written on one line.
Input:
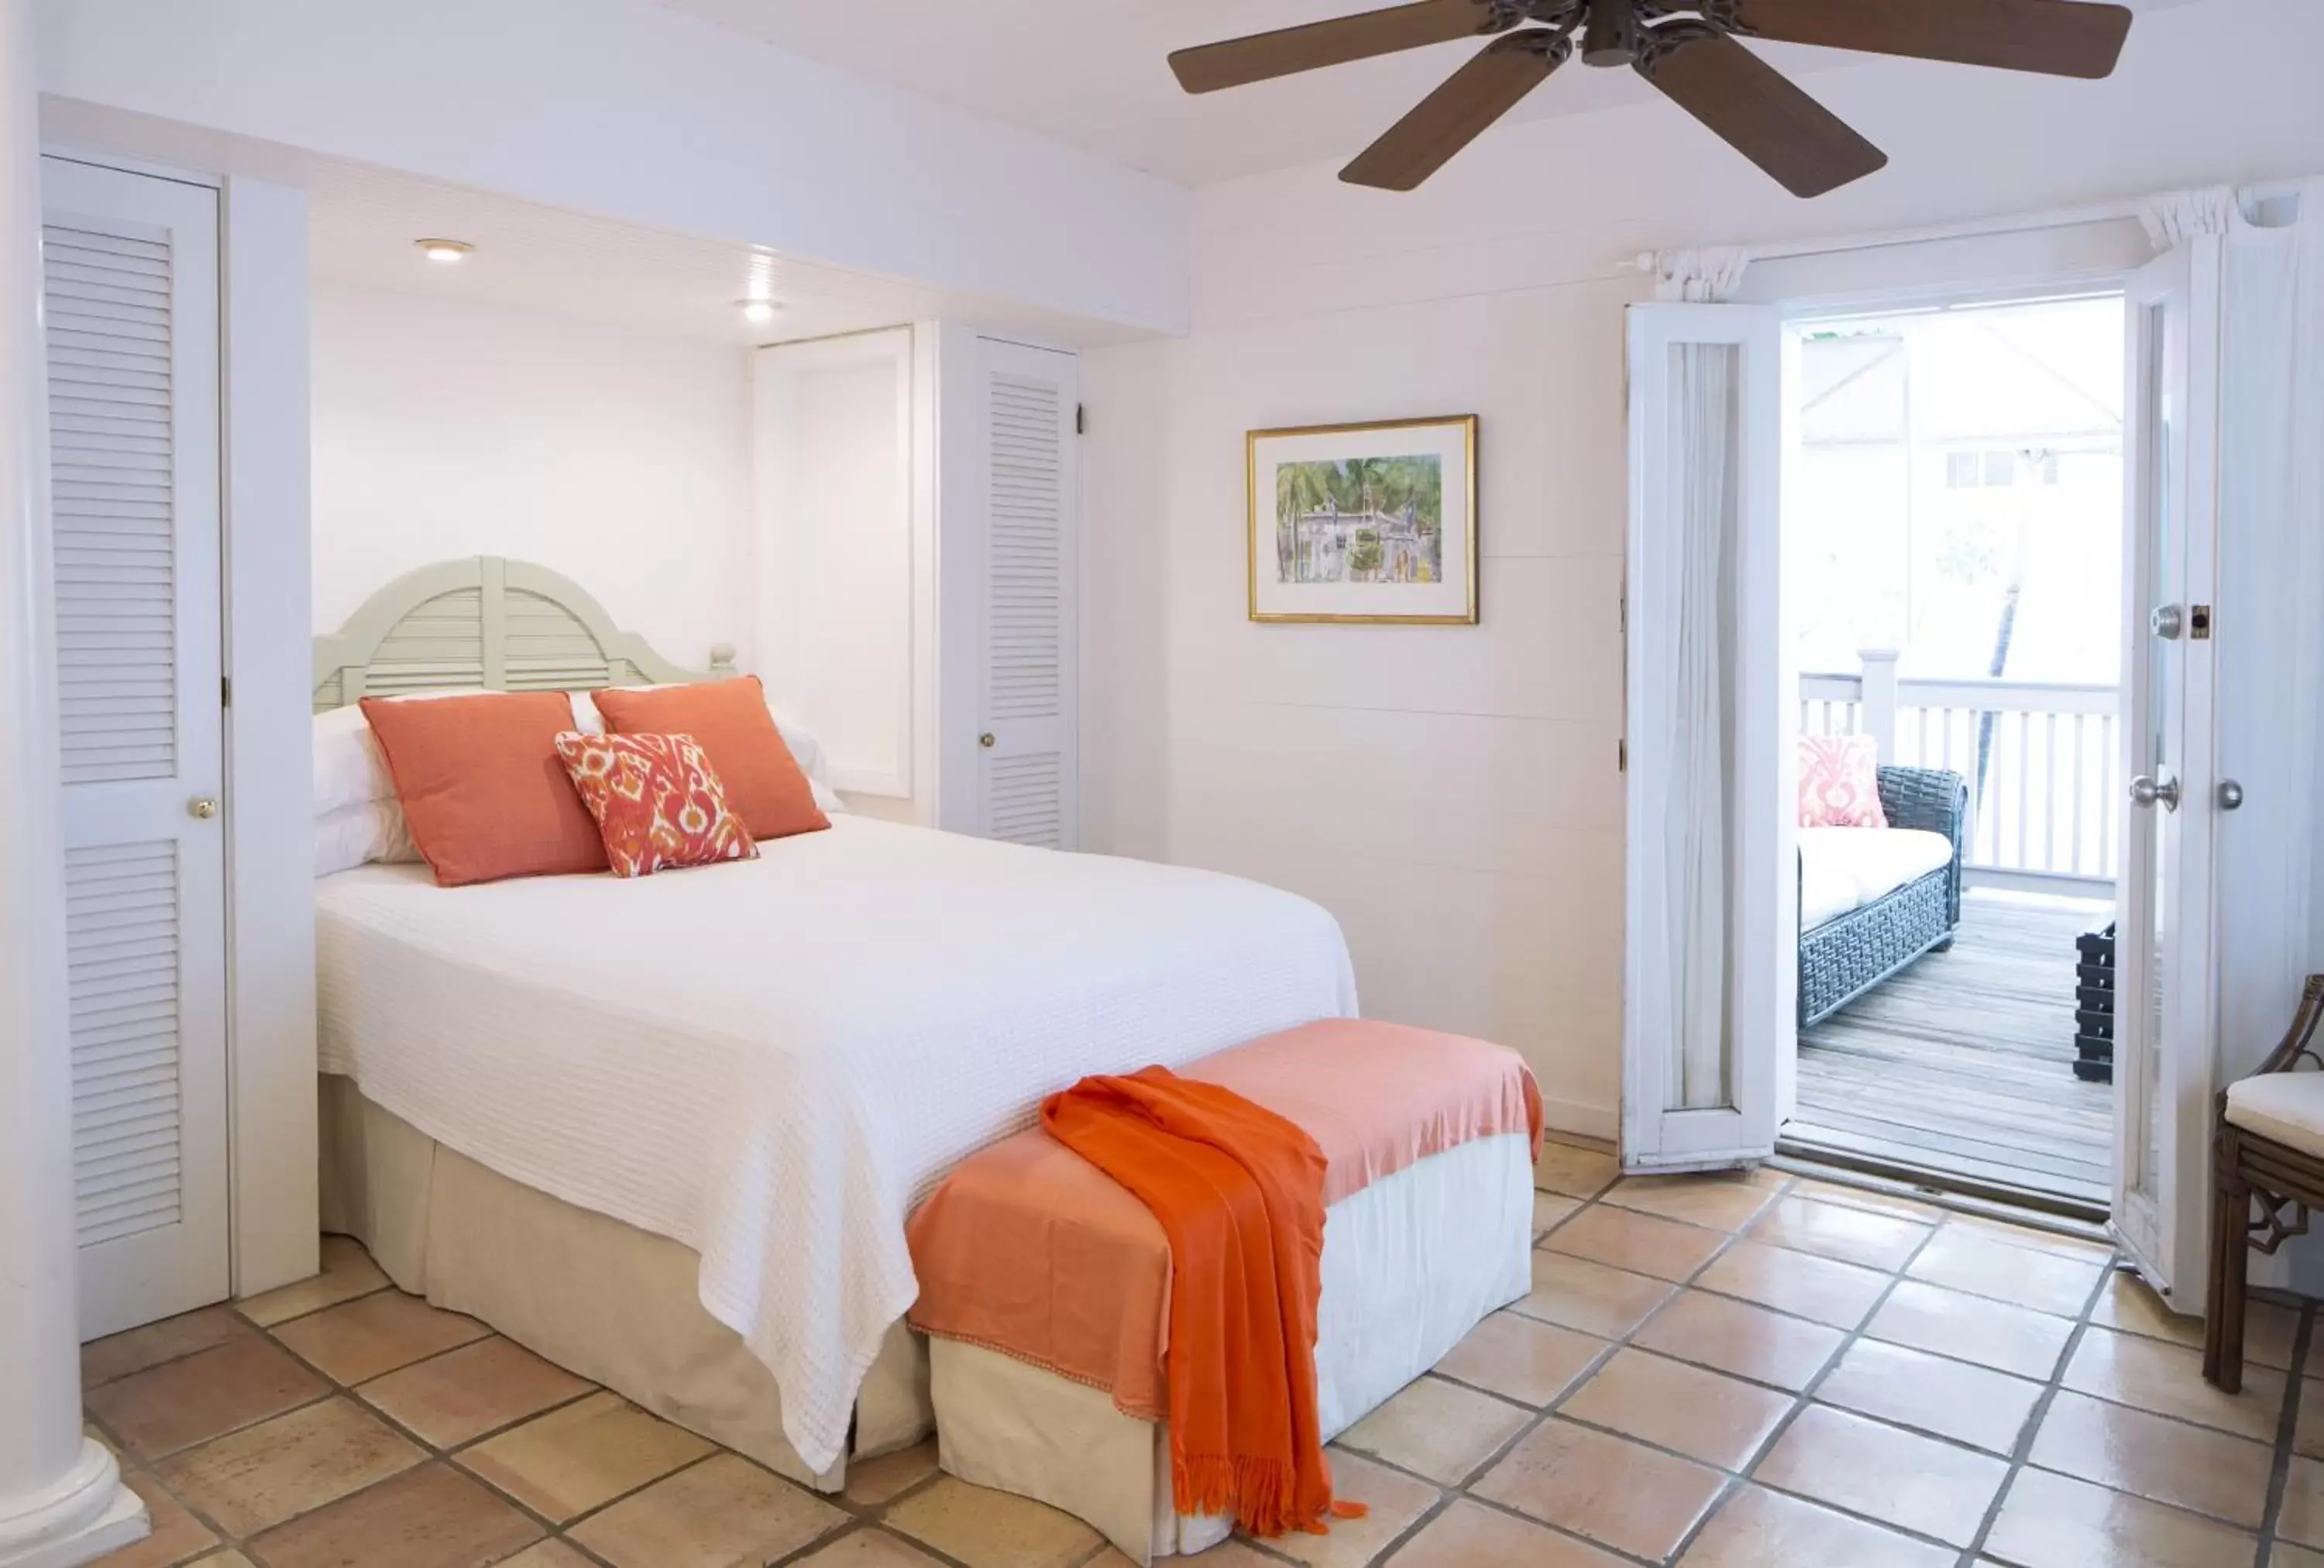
{"points": [[486, 621]]}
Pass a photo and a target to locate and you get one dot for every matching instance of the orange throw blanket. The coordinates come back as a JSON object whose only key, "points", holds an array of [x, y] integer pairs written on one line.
{"points": [[1239, 1192]]}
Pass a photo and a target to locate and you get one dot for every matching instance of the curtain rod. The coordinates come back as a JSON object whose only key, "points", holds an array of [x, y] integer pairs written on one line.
{"points": [[1968, 228]]}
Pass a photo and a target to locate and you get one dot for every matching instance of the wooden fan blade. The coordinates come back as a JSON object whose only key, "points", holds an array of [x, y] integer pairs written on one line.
{"points": [[1755, 109], [1292, 49], [2054, 37], [1460, 111]]}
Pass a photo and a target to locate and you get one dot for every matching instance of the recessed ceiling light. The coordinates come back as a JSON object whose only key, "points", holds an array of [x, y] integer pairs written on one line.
{"points": [[444, 251], [758, 311]]}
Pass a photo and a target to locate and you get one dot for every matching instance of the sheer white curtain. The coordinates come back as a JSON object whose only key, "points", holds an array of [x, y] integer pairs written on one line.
{"points": [[2271, 626], [1697, 826]]}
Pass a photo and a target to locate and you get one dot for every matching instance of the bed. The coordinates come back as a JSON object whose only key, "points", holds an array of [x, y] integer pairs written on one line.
{"points": [[668, 1132]]}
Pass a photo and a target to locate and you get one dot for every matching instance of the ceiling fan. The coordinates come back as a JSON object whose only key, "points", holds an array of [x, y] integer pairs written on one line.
{"points": [[1686, 48]]}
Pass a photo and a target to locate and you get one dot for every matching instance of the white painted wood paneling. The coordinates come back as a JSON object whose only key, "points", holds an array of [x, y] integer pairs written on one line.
{"points": [[132, 327], [1026, 533]]}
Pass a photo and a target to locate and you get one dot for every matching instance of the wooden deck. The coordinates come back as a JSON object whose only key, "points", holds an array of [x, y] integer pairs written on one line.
{"points": [[1960, 1066]]}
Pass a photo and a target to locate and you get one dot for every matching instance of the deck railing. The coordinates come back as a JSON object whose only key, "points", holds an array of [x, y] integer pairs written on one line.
{"points": [[2043, 763]]}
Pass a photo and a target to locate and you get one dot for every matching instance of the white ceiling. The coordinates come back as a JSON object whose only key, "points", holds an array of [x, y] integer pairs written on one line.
{"points": [[366, 219], [1092, 73]]}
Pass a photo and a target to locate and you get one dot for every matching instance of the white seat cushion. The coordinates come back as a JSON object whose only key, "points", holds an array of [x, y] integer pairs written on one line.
{"points": [[2285, 1107], [1847, 868], [1826, 890]]}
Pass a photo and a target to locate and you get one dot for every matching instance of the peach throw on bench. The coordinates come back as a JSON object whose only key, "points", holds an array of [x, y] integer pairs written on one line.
{"points": [[1239, 1191], [1028, 1248]]}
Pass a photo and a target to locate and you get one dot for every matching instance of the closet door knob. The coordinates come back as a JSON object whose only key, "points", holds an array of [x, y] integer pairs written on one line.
{"points": [[202, 807], [986, 740]]}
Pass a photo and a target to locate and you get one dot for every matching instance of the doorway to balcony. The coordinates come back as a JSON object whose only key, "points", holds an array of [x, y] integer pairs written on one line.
{"points": [[1952, 526]]}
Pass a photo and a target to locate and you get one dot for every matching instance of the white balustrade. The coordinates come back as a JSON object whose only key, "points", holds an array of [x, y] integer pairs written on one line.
{"points": [[2043, 760]]}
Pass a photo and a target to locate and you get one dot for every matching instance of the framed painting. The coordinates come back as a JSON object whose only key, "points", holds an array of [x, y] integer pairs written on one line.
{"points": [[1372, 523]]}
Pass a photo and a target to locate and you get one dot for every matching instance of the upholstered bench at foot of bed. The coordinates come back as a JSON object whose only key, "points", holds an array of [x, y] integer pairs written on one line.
{"points": [[1411, 1263]]}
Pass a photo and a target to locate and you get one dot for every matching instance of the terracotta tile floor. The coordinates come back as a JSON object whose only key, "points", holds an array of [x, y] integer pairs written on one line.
{"points": [[1717, 1372]]}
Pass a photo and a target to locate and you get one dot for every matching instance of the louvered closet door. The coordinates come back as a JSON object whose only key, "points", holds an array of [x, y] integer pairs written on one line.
{"points": [[1028, 784], [133, 342]]}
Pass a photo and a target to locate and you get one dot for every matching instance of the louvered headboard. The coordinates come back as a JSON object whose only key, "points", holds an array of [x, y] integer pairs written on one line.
{"points": [[486, 621]]}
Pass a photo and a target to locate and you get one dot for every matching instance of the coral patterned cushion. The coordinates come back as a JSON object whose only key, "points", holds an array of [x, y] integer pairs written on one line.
{"points": [[1839, 782], [658, 804]]}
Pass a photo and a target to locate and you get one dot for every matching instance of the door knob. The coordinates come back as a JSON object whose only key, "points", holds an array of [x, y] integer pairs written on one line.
{"points": [[2167, 621], [203, 806], [2231, 795], [988, 740], [2144, 791]]}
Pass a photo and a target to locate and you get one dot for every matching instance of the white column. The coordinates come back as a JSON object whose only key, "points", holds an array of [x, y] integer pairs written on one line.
{"points": [[61, 1500], [1877, 715]]}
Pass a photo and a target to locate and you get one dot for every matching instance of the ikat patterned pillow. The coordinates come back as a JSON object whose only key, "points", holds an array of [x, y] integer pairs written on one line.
{"points": [[1839, 782], [658, 803]]}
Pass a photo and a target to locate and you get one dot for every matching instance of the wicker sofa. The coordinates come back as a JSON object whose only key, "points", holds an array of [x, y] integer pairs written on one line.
{"points": [[1846, 954]]}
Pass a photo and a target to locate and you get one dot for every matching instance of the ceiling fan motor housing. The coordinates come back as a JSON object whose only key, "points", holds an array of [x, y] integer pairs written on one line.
{"points": [[1610, 36]]}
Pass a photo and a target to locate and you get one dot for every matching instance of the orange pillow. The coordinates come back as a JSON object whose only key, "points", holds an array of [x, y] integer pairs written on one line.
{"points": [[483, 787], [657, 802], [729, 719]]}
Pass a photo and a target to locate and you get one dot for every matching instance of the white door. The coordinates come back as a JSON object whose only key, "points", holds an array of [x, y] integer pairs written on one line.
{"points": [[1712, 891], [2165, 1003], [1029, 484], [133, 343]]}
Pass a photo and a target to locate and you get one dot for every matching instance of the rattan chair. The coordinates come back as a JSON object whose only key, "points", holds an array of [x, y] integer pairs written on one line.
{"points": [[2269, 1148]]}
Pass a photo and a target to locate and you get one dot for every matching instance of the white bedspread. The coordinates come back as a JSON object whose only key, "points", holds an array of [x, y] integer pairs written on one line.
{"points": [[772, 1062]]}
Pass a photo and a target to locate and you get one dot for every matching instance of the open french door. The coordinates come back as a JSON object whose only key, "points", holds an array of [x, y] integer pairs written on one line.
{"points": [[1711, 893], [2166, 1003]]}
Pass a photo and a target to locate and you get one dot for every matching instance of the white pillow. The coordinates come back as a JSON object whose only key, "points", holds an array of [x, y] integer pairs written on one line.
{"points": [[350, 771], [353, 835], [807, 751]]}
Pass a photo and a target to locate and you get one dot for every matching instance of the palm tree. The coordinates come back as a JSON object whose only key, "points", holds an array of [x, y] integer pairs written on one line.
{"points": [[1361, 477], [2005, 631]]}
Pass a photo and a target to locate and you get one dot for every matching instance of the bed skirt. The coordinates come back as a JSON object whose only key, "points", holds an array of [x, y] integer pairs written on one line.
{"points": [[603, 1299]]}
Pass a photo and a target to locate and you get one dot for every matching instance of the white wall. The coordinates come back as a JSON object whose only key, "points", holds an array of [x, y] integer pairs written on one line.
{"points": [[1452, 794], [443, 428], [627, 109]]}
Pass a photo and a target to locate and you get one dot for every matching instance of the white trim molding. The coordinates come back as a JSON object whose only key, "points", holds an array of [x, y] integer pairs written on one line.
{"points": [[270, 849]]}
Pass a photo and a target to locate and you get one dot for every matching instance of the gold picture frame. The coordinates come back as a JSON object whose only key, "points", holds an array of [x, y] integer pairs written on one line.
{"points": [[1360, 568]]}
